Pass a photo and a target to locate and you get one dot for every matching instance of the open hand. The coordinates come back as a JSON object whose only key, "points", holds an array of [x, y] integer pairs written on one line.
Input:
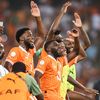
{"points": [[77, 22], [65, 7], [34, 9], [75, 32]]}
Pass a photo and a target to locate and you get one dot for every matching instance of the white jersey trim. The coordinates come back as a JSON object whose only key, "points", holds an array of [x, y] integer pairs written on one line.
{"points": [[9, 61], [39, 70]]}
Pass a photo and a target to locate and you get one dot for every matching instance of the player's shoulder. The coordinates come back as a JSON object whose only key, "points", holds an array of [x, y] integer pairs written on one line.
{"points": [[44, 60], [15, 49]]}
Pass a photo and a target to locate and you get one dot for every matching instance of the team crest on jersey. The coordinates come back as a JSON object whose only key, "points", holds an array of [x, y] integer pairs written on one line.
{"points": [[42, 62], [13, 54]]}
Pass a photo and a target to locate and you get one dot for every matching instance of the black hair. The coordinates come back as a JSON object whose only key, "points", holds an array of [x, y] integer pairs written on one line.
{"points": [[18, 67], [47, 44], [57, 32], [20, 33]]}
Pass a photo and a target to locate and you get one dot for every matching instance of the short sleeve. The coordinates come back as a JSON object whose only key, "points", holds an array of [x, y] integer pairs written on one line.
{"points": [[12, 56], [42, 64]]}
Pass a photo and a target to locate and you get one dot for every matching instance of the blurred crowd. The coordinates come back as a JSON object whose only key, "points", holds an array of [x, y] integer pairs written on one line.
{"points": [[16, 13]]}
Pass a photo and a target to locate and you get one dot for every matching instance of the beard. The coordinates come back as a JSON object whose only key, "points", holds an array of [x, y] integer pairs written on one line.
{"points": [[29, 44], [56, 54]]}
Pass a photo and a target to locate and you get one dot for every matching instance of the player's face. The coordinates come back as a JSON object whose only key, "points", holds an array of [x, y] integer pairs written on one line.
{"points": [[58, 49], [28, 39], [58, 38], [61, 49], [69, 41]]}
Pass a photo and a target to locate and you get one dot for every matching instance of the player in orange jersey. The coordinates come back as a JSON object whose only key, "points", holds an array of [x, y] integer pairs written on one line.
{"points": [[47, 71], [27, 43]]}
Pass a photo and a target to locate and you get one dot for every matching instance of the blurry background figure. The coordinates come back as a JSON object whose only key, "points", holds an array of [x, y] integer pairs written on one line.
{"points": [[3, 71]]}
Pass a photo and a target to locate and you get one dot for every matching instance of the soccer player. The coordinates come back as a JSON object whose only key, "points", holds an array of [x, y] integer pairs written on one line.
{"points": [[30, 81], [52, 31], [56, 22], [45, 72], [48, 70], [82, 55], [27, 43], [19, 85]]}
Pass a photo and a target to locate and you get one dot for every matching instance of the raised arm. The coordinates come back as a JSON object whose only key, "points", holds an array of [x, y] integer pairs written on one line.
{"points": [[76, 45], [57, 20], [41, 31], [84, 37], [80, 86], [82, 54]]}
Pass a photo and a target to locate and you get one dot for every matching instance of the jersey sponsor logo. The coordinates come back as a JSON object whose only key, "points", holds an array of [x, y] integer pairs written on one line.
{"points": [[42, 62], [13, 54]]}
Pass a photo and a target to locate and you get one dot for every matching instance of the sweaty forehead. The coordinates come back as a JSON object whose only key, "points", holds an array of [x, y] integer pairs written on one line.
{"points": [[53, 43], [27, 33]]}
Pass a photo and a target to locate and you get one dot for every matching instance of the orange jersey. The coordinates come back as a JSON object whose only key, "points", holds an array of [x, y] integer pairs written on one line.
{"points": [[43, 54], [50, 68], [63, 60], [13, 88], [19, 54]]}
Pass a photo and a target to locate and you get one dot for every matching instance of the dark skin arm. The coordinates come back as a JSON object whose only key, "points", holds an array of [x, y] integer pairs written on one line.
{"points": [[75, 95], [82, 54], [41, 30], [75, 83], [76, 48], [37, 77], [40, 97], [84, 37], [8, 66], [76, 51], [80, 86], [57, 21], [40, 36]]}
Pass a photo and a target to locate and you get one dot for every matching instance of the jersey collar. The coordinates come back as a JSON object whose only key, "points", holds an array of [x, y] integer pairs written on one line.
{"points": [[52, 57], [22, 49]]}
